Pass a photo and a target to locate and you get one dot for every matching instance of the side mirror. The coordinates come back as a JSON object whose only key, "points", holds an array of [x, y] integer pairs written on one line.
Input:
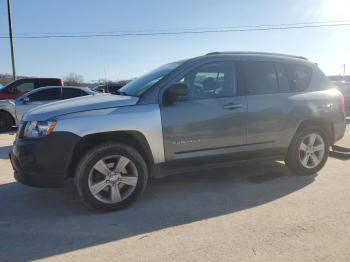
{"points": [[175, 91], [25, 100]]}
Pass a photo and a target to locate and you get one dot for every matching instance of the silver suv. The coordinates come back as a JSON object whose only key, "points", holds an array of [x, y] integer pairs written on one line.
{"points": [[192, 114]]}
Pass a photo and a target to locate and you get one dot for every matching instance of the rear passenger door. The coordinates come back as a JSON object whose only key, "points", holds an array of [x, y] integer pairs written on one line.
{"points": [[268, 106]]}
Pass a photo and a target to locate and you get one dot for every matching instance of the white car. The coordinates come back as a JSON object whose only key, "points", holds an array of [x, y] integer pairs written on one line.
{"points": [[11, 111]]}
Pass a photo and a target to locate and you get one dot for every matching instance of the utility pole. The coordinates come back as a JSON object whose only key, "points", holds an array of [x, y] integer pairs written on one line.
{"points": [[11, 40], [344, 69]]}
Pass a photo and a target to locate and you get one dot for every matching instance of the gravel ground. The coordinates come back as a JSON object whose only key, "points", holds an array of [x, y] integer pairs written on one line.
{"points": [[250, 212]]}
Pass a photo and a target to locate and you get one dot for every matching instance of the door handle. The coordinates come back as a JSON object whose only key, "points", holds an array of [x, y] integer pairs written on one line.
{"points": [[232, 106]]}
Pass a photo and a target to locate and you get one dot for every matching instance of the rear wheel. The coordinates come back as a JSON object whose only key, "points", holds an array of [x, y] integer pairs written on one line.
{"points": [[308, 151], [111, 176], [6, 122]]}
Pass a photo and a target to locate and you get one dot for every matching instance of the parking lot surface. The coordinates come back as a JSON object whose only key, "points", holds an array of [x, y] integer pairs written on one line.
{"points": [[248, 212]]}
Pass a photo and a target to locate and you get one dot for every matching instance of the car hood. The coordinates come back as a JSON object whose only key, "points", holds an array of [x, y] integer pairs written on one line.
{"points": [[79, 104]]}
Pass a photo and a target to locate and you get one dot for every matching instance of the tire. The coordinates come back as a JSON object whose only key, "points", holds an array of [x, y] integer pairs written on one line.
{"points": [[91, 176], [300, 159], [6, 122]]}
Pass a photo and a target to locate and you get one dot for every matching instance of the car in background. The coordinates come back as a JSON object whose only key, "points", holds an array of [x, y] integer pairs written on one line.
{"points": [[344, 88], [339, 78], [19, 87], [111, 88], [11, 111]]}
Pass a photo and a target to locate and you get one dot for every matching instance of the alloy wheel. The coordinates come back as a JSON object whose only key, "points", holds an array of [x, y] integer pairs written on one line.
{"points": [[311, 150], [113, 179]]}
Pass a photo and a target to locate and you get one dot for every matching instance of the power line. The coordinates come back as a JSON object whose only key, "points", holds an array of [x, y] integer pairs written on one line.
{"points": [[155, 33], [182, 29]]}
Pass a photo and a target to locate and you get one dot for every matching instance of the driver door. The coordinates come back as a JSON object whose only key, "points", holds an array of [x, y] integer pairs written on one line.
{"points": [[210, 119]]}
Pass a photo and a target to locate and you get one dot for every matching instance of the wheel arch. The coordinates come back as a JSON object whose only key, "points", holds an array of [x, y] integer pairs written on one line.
{"points": [[132, 138], [323, 123], [12, 117]]}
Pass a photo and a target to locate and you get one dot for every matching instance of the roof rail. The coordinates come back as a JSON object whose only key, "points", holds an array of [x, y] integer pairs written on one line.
{"points": [[255, 53]]}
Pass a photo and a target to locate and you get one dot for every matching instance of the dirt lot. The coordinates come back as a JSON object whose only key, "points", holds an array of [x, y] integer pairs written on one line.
{"points": [[251, 212]]}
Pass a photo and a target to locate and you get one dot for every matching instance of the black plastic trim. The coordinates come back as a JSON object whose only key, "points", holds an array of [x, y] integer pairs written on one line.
{"points": [[43, 162]]}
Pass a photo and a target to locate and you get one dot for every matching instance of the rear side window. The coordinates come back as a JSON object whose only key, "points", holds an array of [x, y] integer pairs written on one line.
{"points": [[46, 95], [299, 77], [47, 82], [259, 77], [72, 92]]}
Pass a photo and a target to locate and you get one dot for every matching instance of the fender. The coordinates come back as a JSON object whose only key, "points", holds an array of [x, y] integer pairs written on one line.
{"points": [[144, 119]]}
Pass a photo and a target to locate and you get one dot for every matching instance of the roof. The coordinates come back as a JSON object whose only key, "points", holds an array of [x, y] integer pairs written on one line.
{"points": [[257, 53], [38, 78]]}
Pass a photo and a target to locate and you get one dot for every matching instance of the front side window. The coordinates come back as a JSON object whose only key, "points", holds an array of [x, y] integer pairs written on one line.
{"points": [[259, 77], [45, 95], [210, 81], [25, 87]]}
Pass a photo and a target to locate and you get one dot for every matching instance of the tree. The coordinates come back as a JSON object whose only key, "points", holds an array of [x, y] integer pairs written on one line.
{"points": [[73, 79]]}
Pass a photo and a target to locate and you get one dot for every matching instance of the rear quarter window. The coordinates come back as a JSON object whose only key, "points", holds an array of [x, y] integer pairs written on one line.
{"points": [[299, 77]]}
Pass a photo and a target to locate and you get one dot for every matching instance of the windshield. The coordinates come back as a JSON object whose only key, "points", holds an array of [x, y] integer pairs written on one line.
{"points": [[138, 86]]}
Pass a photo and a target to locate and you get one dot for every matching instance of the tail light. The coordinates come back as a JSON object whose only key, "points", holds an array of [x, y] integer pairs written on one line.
{"points": [[342, 103]]}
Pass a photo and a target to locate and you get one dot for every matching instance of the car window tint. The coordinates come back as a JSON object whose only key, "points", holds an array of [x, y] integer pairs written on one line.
{"points": [[72, 92], [210, 81], [259, 77], [282, 77], [47, 82], [46, 95], [25, 87], [300, 76], [114, 89]]}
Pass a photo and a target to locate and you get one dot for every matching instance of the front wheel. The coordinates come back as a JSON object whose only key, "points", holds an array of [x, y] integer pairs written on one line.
{"points": [[111, 177], [308, 151]]}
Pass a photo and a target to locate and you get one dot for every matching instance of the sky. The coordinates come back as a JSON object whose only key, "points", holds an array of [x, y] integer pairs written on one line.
{"points": [[128, 57]]}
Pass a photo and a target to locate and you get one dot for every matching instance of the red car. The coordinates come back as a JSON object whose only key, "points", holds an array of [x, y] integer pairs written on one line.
{"points": [[19, 87]]}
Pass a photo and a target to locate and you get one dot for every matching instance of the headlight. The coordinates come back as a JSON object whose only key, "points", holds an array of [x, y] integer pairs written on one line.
{"points": [[37, 129]]}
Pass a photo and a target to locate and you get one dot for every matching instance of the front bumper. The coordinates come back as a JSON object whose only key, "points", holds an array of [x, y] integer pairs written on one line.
{"points": [[43, 162]]}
